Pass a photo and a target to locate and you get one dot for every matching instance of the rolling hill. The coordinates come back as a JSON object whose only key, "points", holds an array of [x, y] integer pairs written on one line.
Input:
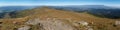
{"points": [[46, 18], [96, 10]]}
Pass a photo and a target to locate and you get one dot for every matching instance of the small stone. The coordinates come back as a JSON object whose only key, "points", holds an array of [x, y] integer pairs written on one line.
{"points": [[24, 28], [83, 23], [117, 22]]}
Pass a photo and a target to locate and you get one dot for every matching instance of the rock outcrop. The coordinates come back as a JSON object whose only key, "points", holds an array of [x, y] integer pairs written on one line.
{"points": [[51, 24]]}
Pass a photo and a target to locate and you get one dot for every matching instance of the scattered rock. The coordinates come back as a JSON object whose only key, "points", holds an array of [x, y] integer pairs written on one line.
{"points": [[55, 24], [50, 24], [117, 22], [24, 28], [81, 23], [90, 28], [33, 22]]}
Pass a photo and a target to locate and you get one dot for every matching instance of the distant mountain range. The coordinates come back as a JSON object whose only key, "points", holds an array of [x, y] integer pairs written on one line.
{"points": [[69, 7], [14, 8], [8, 9], [97, 10], [83, 7]]}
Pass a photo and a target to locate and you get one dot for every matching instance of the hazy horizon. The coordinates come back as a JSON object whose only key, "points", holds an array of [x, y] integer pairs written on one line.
{"points": [[114, 3]]}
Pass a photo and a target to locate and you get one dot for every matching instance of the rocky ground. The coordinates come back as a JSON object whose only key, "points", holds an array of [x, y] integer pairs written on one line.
{"points": [[52, 19]]}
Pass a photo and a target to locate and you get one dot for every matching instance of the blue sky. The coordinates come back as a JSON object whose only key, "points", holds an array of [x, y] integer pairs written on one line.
{"points": [[59, 2]]}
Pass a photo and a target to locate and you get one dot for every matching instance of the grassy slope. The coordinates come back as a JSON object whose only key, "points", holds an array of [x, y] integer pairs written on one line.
{"points": [[43, 13]]}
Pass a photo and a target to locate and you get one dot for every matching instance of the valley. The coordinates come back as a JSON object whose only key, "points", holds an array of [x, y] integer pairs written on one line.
{"points": [[45, 18]]}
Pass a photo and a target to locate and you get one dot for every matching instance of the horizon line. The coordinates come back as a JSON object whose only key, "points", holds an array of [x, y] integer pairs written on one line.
{"points": [[57, 5]]}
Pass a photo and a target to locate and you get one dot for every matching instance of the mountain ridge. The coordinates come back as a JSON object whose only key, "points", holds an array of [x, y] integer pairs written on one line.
{"points": [[45, 18]]}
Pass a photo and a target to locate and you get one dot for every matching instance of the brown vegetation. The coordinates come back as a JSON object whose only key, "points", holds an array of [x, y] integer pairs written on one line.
{"points": [[63, 17]]}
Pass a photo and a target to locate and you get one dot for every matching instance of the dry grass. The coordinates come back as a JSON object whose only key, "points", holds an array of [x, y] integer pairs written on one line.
{"points": [[43, 13]]}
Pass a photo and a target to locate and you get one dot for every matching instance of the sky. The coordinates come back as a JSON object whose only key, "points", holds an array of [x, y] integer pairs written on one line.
{"points": [[58, 2]]}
